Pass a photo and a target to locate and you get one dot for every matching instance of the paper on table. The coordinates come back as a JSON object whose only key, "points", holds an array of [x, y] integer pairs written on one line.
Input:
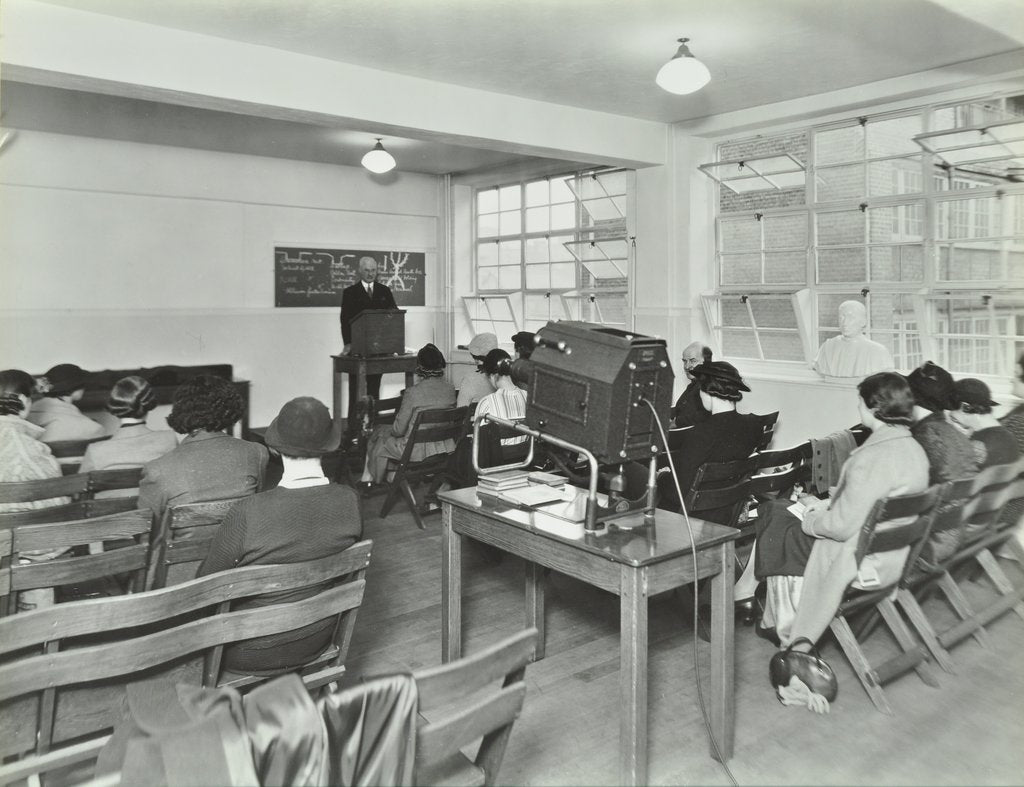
{"points": [[533, 495], [797, 510]]}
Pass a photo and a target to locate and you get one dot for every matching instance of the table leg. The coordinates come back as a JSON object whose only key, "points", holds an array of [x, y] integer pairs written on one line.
{"points": [[535, 604], [723, 702], [633, 676], [451, 588]]}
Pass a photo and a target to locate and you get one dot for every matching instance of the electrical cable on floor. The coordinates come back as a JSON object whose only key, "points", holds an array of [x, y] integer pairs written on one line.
{"points": [[696, 598]]}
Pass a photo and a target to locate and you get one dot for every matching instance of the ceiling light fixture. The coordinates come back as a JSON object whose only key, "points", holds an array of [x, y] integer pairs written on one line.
{"points": [[379, 160], [683, 73]]}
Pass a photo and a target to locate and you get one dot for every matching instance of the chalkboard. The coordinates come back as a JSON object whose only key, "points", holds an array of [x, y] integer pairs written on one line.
{"points": [[316, 277]]}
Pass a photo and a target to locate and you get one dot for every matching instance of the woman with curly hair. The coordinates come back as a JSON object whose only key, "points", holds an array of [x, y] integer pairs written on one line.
{"points": [[208, 464], [388, 440], [133, 444]]}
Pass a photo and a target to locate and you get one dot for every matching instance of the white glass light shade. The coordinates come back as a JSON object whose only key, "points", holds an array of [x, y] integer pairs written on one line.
{"points": [[379, 160], [683, 73]]}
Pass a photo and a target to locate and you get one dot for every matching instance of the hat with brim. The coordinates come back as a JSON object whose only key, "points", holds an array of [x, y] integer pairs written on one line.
{"points": [[303, 428], [481, 344], [973, 392], [720, 370], [65, 378], [524, 339]]}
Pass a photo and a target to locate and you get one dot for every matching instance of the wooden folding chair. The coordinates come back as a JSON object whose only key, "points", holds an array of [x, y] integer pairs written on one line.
{"points": [[428, 426], [152, 630], [879, 534], [81, 509], [181, 540], [778, 472], [116, 479], [130, 527], [721, 485], [73, 486], [468, 717]]}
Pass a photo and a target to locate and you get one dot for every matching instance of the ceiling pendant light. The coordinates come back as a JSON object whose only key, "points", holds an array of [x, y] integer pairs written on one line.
{"points": [[379, 160], [683, 73]]}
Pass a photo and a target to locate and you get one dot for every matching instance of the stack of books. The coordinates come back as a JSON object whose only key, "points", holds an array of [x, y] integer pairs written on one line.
{"points": [[494, 483]]}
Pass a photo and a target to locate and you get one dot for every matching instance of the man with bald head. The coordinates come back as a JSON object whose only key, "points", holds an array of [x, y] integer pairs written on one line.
{"points": [[366, 293], [689, 409]]}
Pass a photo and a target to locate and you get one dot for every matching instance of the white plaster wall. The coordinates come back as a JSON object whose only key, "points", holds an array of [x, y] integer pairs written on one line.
{"points": [[119, 255]]}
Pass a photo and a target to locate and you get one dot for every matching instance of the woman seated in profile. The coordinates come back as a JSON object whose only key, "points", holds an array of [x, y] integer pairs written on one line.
{"points": [[808, 564], [388, 440], [133, 444], [725, 435], [24, 457], [208, 464], [993, 443], [57, 413]]}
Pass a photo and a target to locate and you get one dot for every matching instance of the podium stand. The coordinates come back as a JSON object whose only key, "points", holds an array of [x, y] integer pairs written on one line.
{"points": [[378, 332], [362, 366]]}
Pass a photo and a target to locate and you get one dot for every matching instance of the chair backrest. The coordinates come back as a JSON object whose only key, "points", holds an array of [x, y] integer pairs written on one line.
{"points": [[881, 532], [81, 509], [117, 478], [132, 526], [66, 449], [779, 471], [988, 493], [720, 484], [44, 489], [435, 424], [768, 430], [469, 717], [185, 534], [68, 660]]}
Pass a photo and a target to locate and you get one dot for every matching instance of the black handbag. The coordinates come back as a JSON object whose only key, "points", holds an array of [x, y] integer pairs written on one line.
{"points": [[810, 667]]}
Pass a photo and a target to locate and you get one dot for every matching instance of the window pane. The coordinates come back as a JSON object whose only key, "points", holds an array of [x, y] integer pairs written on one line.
{"points": [[558, 250], [895, 176], [839, 145], [537, 220], [894, 136], [509, 252], [834, 183], [487, 253], [785, 232], [487, 201], [487, 225], [773, 312], [785, 267], [971, 261], [537, 277], [511, 222], [828, 307], [537, 193], [896, 223], [487, 278], [735, 312], [977, 217], [739, 344], [741, 268], [837, 228], [540, 307], [510, 278], [560, 191], [836, 265], [563, 217], [897, 263], [789, 194], [740, 234], [781, 346], [563, 276], [537, 250], [510, 197]]}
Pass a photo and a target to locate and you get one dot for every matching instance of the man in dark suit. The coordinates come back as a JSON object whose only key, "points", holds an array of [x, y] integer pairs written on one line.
{"points": [[367, 293], [689, 410]]}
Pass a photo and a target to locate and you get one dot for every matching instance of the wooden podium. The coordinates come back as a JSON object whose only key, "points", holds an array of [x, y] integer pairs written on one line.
{"points": [[378, 332]]}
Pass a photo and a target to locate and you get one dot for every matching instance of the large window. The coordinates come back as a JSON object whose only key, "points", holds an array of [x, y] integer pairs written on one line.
{"points": [[552, 248], [918, 214]]}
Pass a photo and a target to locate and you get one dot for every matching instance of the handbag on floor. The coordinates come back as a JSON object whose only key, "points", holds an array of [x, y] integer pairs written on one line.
{"points": [[810, 667]]}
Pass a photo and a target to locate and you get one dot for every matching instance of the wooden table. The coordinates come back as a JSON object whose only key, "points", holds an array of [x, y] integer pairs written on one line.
{"points": [[363, 365], [632, 560]]}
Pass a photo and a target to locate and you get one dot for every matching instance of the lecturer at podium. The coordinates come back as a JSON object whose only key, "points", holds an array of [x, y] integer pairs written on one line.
{"points": [[367, 293]]}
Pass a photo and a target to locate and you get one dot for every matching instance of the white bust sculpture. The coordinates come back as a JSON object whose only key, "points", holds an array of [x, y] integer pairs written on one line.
{"points": [[852, 354]]}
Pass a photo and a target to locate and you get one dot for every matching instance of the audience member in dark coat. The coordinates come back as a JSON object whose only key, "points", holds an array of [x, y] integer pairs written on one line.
{"points": [[689, 409], [304, 518], [723, 436], [993, 443]]}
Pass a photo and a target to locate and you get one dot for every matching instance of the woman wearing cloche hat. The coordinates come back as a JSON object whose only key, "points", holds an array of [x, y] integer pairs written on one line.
{"points": [[57, 412], [304, 518]]}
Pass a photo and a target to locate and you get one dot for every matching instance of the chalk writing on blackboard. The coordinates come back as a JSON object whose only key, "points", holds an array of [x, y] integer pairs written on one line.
{"points": [[306, 276]]}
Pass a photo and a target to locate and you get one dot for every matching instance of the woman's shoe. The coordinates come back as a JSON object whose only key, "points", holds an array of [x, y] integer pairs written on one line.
{"points": [[766, 633], [747, 611]]}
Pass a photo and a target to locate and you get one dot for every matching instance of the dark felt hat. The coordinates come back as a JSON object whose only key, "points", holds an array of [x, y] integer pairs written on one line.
{"points": [[524, 339], [932, 386], [430, 358], [303, 428], [972, 391], [722, 371], [65, 378]]}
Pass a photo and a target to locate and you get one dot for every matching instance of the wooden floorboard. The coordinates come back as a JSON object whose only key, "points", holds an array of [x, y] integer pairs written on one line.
{"points": [[969, 731]]}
